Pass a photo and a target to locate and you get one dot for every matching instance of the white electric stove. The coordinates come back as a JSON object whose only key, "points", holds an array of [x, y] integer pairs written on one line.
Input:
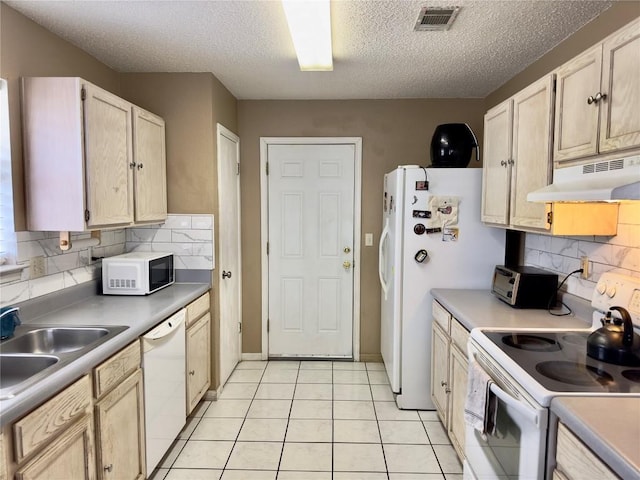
{"points": [[529, 368]]}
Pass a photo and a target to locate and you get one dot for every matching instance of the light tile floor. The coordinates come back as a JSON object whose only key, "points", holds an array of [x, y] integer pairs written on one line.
{"points": [[309, 420]]}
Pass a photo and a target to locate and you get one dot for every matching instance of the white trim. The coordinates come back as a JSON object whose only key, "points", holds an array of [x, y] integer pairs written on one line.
{"points": [[264, 226], [251, 357], [221, 130]]}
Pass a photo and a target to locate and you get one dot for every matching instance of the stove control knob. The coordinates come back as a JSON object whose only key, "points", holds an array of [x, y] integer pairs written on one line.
{"points": [[601, 287], [611, 291]]}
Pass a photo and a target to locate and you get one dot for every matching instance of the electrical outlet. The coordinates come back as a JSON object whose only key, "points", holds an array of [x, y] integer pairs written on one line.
{"points": [[37, 267], [584, 265]]}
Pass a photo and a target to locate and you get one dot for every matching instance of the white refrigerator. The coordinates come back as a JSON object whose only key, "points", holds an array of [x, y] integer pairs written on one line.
{"points": [[432, 237]]}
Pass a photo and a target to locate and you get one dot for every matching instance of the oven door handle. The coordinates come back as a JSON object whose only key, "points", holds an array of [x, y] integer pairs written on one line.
{"points": [[529, 413]]}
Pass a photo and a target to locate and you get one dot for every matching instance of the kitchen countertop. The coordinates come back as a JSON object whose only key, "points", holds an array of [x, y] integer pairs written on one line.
{"points": [[139, 313], [479, 308], [610, 427]]}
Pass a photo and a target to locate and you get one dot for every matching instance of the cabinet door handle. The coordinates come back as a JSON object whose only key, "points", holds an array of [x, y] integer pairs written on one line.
{"points": [[447, 390], [192, 372], [108, 468], [226, 274], [511, 161], [590, 100], [600, 96], [503, 163], [140, 165], [443, 383], [132, 165]]}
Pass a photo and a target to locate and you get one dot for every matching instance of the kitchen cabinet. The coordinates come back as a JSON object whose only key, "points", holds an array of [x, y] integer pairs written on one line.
{"points": [[517, 156], [80, 164], [198, 349], [449, 364], [55, 440], [119, 416], [149, 156], [575, 461], [597, 97]]}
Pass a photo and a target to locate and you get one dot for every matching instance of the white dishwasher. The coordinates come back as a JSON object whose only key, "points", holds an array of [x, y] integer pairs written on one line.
{"points": [[164, 368]]}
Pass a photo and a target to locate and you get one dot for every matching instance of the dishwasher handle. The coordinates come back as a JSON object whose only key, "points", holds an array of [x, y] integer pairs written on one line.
{"points": [[166, 328]]}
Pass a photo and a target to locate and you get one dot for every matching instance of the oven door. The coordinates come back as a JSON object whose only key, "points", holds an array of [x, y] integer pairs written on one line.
{"points": [[517, 449]]}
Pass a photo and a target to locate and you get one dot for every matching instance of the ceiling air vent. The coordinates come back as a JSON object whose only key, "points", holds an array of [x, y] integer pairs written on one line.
{"points": [[436, 18]]}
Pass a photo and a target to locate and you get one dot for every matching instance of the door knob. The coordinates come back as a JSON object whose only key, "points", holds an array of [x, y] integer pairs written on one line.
{"points": [[226, 274], [346, 265], [347, 250]]}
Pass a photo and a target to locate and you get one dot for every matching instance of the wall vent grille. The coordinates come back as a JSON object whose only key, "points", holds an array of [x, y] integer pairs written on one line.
{"points": [[617, 164], [436, 18]]}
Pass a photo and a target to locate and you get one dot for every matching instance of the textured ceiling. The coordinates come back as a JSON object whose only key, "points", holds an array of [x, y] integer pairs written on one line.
{"points": [[246, 43]]}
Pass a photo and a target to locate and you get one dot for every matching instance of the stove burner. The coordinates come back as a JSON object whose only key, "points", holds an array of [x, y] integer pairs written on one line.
{"points": [[574, 373], [632, 375], [576, 339], [532, 343]]}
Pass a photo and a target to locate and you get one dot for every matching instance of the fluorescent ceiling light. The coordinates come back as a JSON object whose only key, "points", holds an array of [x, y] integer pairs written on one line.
{"points": [[310, 26]]}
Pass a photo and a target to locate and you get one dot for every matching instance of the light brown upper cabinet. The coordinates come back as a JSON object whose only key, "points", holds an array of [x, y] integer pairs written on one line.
{"points": [[150, 160], [81, 169], [597, 98], [517, 157]]}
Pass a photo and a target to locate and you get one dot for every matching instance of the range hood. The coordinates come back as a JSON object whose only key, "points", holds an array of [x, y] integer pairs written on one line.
{"points": [[611, 180]]}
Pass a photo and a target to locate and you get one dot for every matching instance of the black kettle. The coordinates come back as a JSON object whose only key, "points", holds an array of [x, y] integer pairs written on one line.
{"points": [[615, 342]]}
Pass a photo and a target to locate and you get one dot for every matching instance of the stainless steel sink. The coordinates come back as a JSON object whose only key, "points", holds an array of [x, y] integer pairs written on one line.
{"points": [[40, 350], [53, 340], [15, 368]]}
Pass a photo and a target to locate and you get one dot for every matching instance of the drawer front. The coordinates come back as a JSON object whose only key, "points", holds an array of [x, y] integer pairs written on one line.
{"points": [[576, 461], [441, 316], [111, 372], [459, 335], [197, 308], [51, 418]]}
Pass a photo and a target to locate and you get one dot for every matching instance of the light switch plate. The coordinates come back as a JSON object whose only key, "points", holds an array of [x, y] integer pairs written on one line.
{"points": [[368, 239]]}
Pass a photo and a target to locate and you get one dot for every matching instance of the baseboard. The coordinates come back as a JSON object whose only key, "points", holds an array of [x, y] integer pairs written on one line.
{"points": [[212, 395], [247, 357], [370, 357]]}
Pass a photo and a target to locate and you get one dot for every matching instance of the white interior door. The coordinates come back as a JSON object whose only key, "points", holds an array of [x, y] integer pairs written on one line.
{"points": [[229, 349], [311, 241]]}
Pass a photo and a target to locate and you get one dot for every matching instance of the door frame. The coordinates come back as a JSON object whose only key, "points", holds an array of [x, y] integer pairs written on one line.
{"points": [[222, 131], [357, 220]]}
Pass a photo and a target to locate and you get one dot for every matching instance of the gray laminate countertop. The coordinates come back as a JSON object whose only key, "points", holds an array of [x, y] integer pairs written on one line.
{"points": [[479, 308], [609, 426], [87, 308]]}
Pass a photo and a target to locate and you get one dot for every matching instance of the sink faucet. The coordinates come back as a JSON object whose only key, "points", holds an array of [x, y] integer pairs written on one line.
{"points": [[9, 320]]}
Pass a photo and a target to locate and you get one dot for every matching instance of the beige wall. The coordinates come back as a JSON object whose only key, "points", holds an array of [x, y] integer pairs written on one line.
{"points": [[28, 50], [191, 105], [608, 22], [394, 132]]}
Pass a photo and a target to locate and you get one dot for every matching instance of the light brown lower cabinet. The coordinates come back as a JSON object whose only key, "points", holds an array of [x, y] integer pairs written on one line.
{"points": [[198, 360], [574, 460], [120, 447], [55, 440], [71, 456], [449, 367]]}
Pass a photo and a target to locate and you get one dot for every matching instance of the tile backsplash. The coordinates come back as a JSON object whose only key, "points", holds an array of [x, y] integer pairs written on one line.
{"points": [[620, 253], [189, 237]]}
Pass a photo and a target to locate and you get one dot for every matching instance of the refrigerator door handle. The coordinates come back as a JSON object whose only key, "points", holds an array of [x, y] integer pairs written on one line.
{"points": [[383, 236]]}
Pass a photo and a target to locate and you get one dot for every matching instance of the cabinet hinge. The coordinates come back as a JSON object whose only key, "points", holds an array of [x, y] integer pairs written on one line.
{"points": [[549, 218], [267, 168], [267, 248], [83, 93], [267, 325], [239, 327], [87, 215], [238, 168]]}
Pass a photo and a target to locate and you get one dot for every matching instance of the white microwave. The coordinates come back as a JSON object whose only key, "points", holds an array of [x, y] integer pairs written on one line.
{"points": [[137, 273]]}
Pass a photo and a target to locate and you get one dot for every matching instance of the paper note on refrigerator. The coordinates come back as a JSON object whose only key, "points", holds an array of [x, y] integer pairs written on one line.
{"points": [[444, 211]]}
